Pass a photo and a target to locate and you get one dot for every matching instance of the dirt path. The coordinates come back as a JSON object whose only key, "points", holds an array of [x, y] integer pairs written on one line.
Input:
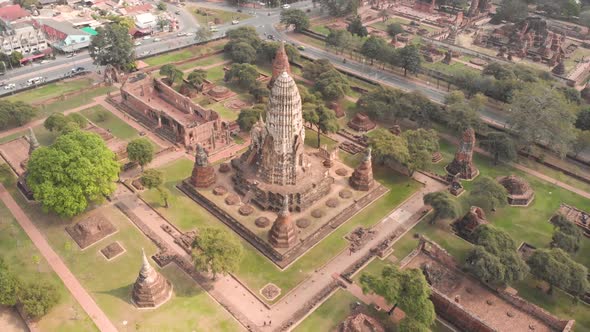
{"points": [[40, 121], [86, 301]]}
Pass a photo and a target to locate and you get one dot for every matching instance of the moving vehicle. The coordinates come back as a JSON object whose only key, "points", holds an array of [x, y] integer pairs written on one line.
{"points": [[286, 6], [271, 37], [180, 34], [157, 39], [234, 22], [70, 55], [148, 37], [137, 43], [9, 86], [189, 34], [214, 29], [301, 48], [35, 80]]}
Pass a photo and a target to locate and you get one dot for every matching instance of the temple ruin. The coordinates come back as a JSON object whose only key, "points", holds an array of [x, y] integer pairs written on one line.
{"points": [[360, 323], [362, 177], [520, 192], [150, 289], [462, 166], [276, 165], [90, 230], [172, 115], [203, 174], [283, 233], [465, 226]]}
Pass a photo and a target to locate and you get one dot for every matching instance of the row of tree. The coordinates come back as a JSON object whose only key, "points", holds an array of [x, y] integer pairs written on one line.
{"points": [[15, 114], [34, 298], [245, 46]]}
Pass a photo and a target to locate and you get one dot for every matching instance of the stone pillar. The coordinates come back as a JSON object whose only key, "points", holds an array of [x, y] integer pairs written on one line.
{"points": [[362, 177], [203, 174]]}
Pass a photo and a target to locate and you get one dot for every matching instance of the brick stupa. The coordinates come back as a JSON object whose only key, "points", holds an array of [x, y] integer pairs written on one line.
{"points": [[150, 289], [203, 174], [280, 64], [362, 177], [282, 233], [463, 165]]}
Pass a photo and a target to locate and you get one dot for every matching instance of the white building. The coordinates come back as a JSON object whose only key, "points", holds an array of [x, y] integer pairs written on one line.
{"points": [[146, 21], [21, 37]]}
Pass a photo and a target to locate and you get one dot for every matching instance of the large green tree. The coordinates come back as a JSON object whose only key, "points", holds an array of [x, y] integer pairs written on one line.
{"points": [[422, 143], [500, 145], [407, 289], [339, 39], [332, 85], [243, 74], [340, 7], [113, 46], [323, 118], [487, 193], [567, 235], [76, 169], [172, 73], [356, 27], [387, 147], [295, 17], [558, 269], [462, 113], [248, 117], [313, 70], [9, 285], [37, 298], [409, 59], [494, 259], [15, 114], [394, 29], [196, 78], [444, 205], [511, 10], [373, 47], [154, 179], [217, 251], [141, 151], [541, 115]]}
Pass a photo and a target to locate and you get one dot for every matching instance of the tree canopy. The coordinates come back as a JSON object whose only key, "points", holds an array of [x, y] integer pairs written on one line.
{"points": [[487, 193], [558, 269], [57, 122], [248, 117], [394, 29], [500, 145], [9, 285], [444, 205], [113, 46], [76, 169], [422, 143], [196, 78], [408, 289], [494, 259], [15, 114], [540, 114], [409, 59], [567, 235], [141, 151], [323, 118], [340, 7], [511, 10], [387, 147], [217, 251], [295, 17], [172, 73], [37, 298], [243, 74], [356, 27], [332, 85]]}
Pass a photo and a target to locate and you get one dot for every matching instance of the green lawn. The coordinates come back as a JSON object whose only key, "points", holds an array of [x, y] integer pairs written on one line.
{"points": [[321, 29], [73, 102], [110, 283], [329, 314], [184, 54], [111, 122], [22, 256], [51, 90], [255, 270], [215, 16], [311, 139], [224, 112], [208, 61]]}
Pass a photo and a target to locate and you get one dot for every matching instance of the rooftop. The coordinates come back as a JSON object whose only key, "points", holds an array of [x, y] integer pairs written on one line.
{"points": [[13, 13], [64, 27]]}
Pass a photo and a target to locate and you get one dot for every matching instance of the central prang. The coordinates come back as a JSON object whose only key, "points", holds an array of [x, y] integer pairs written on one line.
{"points": [[276, 167]]}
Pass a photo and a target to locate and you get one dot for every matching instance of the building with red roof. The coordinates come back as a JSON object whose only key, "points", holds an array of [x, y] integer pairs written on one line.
{"points": [[13, 13]]}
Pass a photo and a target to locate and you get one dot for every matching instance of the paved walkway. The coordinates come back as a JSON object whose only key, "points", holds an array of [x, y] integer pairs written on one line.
{"points": [[86, 301]]}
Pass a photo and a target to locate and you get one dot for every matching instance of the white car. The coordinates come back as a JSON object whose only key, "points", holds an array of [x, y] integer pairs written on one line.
{"points": [[137, 43], [262, 3], [234, 22], [9, 86], [286, 6], [213, 29], [180, 34], [157, 39], [189, 34], [148, 37]]}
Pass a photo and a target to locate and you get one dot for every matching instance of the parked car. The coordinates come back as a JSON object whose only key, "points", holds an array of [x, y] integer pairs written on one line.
{"points": [[214, 29], [234, 22], [180, 34], [148, 37], [286, 6], [157, 39], [188, 34], [301, 48], [137, 43], [271, 37], [70, 55], [262, 3], [9, 86]]}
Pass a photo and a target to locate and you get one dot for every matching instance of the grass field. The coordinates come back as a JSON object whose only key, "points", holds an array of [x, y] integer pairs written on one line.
{"points": [[208, 61], [329, 314], [73, 102], [184, 54], [51, 90], [22, 256], [111, 122], [110, 283], [209, 16], [255, 270], [311, 139]]}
